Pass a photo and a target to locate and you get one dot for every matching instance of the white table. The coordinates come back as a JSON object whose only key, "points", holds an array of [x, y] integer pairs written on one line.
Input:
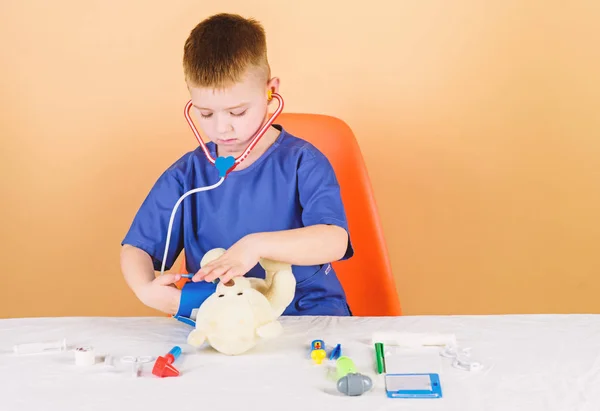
{"points": [[532, 363]]}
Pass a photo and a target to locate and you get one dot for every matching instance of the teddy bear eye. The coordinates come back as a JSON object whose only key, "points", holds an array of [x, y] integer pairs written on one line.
{"points": [[240, 293], [221, 295]]}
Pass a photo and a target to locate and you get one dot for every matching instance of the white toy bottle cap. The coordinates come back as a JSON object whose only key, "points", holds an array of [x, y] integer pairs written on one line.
{"points": [[85, 356]]}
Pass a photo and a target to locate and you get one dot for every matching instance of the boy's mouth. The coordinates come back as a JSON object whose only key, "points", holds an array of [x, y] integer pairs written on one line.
{"points": [[228, 140]]}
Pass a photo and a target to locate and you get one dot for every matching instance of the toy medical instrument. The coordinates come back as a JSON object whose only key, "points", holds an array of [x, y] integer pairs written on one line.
{"points": [[317, 345], [413, 386], [85, 356], [461, 358], [466, 364], [224, 164], [317, 352], [350, 382], [404, 339], [318, 355], [354, 384], [109, 361], [344, 366], [41, 347], [380, 357], [136, 363], [170, 228], [336, 352], [163, 367], [230, 161]]}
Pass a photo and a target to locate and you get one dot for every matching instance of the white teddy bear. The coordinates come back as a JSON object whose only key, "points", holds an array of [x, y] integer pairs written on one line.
{"points": [[243, 310]]}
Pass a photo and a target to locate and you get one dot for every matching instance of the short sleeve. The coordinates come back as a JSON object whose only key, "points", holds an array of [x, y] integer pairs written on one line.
{"points": [[320, 194], [148, 230]]}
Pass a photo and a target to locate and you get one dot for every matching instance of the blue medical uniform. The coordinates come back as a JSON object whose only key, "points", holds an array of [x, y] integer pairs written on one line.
{"points": [[291, 185]]}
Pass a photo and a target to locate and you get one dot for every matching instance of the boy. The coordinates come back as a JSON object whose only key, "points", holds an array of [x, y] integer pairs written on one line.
{"points": [[282, 202]]}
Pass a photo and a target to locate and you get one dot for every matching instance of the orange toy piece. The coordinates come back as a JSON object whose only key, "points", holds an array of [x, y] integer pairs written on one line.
{"points": [[163, 367]]}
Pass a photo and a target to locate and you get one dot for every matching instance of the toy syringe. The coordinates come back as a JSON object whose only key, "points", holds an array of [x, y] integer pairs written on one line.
{"points": [[41, 347]]}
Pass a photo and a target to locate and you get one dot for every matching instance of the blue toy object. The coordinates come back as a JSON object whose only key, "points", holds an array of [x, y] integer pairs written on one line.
{"points": [[317, 345], [336, 352], [413, 386], [192, 296], [224, 164]]}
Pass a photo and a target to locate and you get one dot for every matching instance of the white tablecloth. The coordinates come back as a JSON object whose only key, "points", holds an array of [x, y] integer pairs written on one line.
{"points": [[530, 363]]}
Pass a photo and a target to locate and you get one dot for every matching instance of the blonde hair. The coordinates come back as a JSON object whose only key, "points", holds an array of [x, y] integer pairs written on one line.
{"points": [[222, 48]]}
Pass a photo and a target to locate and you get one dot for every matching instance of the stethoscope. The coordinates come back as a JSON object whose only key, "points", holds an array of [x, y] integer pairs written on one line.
{"points": [[227, 164], [224, 164]]}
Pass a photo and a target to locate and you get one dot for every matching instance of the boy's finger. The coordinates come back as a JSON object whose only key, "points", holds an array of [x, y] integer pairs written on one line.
{"points": [[216, 273], [212, 263], [203, 272], [208, 268], [227, 276], [198, 276], [231, 274]]}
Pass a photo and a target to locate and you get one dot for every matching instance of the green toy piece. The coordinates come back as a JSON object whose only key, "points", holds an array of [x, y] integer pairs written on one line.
{"points": [[344, 366]]}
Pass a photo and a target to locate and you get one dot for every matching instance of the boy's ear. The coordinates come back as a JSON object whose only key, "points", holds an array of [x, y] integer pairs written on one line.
{"points": [[273, 86]]}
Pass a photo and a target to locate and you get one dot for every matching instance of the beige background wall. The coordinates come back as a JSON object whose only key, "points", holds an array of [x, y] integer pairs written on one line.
{"points": [[478, 121]]}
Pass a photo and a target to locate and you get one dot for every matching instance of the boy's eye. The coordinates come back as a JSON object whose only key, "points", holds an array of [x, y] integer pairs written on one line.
{"points": [[206, 115], [238, 114]]}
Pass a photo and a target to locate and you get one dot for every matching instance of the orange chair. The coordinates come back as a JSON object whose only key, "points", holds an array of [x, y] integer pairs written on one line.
{"points": [[367, 276]]}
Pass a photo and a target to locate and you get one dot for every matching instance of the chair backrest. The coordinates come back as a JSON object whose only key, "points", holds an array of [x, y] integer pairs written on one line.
{"points": [[367, 276]]}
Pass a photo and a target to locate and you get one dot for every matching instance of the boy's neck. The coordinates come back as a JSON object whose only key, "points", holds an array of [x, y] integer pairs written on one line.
{"points": [[263, 145]]}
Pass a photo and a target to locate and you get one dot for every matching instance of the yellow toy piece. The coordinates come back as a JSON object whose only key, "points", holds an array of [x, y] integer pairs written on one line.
{"points": [[318, 355]]}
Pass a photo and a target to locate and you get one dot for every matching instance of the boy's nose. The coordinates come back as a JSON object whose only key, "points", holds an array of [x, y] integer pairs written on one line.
{"points": [[223, 126]]}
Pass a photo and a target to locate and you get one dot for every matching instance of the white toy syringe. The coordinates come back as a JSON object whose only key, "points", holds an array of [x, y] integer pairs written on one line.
{"points": [[41, 347]]}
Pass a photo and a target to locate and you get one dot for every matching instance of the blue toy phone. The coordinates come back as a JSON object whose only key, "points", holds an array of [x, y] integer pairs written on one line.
{"points": [[413, 386]]}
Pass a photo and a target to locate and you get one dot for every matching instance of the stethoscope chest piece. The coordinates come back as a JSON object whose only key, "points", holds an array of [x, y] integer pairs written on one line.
{"points": [[225, 165]]}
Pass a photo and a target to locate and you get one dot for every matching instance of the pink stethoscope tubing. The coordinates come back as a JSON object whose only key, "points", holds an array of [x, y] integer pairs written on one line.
{"points": [[254, 141]]}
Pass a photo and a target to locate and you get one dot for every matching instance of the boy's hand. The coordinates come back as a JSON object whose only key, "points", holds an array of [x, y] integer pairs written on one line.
{"points": [[161, 293], [235, 262]]}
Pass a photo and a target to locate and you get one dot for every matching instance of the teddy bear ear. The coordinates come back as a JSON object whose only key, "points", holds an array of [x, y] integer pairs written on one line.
{"points": [[211, 256]]}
